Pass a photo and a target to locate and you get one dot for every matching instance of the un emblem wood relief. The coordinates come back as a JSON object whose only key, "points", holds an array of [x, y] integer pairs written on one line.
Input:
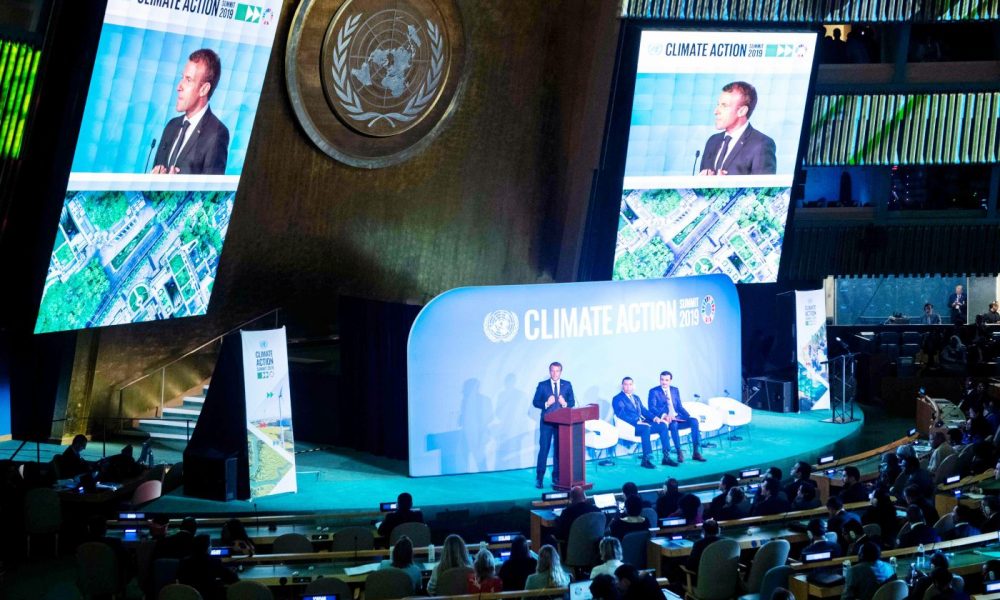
{"points": [[373, 81]]}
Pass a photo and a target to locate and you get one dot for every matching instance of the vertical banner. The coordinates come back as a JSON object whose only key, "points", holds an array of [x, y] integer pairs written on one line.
{"points": [[269, 413], [811, 351]]}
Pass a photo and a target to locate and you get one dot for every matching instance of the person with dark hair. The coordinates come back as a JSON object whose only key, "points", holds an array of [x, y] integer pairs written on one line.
{"points": [[670, 496], [918, 531], [579, 505], [235, 536], [806, 498], [977, 428], [774, 473], [402, 558], [863, 579], [73, 463], [195, 143], [665, 403], [854, 490], [203, 572], [404, 513], [634, 585], [889, 471], [514, 572], [914, 473], [991, 512], [628, 408], [550, 395], [179, 544], [966, 520], [882, 513], [629, 488], [632, 521], [941, 450], [924, 581], [709, 535], [122, 466], [689, 507], [727, 483], [838, 517], [738, 148], [736, 506], [604, 587], [816, 531], [930, 317], [771, 501], [801, 475], [945, 585], [912, 495], [854, 537]]}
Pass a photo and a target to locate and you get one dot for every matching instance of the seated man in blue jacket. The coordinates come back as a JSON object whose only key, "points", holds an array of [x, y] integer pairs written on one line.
{"points": [[628, 407]]}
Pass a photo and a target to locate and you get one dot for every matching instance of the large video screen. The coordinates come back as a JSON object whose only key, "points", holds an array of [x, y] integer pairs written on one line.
{"points": [[713, 140], [161, 147]]}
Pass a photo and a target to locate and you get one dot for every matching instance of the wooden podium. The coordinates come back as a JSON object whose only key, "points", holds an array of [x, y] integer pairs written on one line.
{"points": [[572, 451]]}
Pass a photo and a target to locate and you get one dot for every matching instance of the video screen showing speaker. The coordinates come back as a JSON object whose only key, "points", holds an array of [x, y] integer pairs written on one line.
{"points": [[162, 143], [773, 395], [711, 144]]}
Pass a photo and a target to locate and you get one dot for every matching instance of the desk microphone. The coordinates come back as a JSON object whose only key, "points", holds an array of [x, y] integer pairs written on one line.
{"points": [[694, 165], [149, 155], [256, 516]]}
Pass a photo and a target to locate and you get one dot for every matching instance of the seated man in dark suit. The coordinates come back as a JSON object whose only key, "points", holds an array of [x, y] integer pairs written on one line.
{"points": [[629, 408], [771, 501], [918, 532], [991, 510], [854, 490], [178, 545], [122, 466], [816, 530], [205, 573], [966, 521], [736, 506], [666, 406], [801, 475], [806, 498], [669, 498], [579, 505], [709, 535], [912, 495], [727, 483], [404, 513], [738, 148], [839, 517], [73, 463]]}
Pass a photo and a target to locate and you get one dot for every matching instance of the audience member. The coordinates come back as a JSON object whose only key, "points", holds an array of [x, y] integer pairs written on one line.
{"points": [[179, 544], [942, 450], [631, 489], [863, 579], [918, 532], [806, 498], [977, 428], [709, 535], [402, 559], [604, 587], [838, 517], [203, 572], [801, 475], [854, 490], [484, 579], [919, 586], [514, 572], [991, 512], [945, 586], [611, 557], [912, 495], [816, 531], [549, 573], [966, 521], [727, 483], [855, 537], [669, 496], [689, 507], [955, 437], [889, 471], [632, 521], [770, 501], [453, 554], [736, 506], [578, 505], [72, 462], [914, 473], [122, 466], [404, 513], [883, 514], [633, 585], [235, 536]]}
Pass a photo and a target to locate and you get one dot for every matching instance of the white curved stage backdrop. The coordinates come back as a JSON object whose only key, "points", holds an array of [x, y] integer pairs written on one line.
{"points": [[476, 354]]}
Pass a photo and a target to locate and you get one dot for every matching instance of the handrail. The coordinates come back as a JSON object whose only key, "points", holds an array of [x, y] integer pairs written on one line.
{"points": [[153, 371]]}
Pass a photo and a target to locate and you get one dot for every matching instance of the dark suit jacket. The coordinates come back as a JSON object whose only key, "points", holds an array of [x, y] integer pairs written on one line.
{"points": [[992, 524], [775, 505], [753, 154], [657, 402], [398, 517], [569, 514], [822, 546], [72, 464], [626, 411], [544, 390], [206, 574], [205, 152], [854, 493], [921, 533]]}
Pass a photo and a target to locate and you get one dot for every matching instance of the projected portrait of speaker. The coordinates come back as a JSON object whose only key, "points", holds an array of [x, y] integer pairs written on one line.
{"points": [[196, 142], [738, 148]]}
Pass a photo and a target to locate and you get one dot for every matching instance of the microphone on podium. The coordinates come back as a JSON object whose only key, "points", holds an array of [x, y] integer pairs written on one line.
{"points": [[149, 155], [694, 165]]}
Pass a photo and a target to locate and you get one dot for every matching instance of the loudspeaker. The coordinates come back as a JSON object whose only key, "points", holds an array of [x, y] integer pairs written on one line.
{"points": [[213, 478], [773, 395]]}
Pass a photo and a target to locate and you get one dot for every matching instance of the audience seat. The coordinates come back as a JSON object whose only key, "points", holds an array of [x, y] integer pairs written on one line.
{"points": [[892, 590], [329, 586], [634, 548], [42, 515], [772, 554], [718, 572], [98, 569], [352, 539], [388, 583], [419, 534], [164, 573], [292, 543], [179, 591], [250, 590], [453, 582], [776, 577], [584, 535]]}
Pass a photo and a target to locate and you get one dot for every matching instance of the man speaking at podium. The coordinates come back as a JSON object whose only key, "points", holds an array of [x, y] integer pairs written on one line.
{"points": [[665, 403], [550, 395], [738, 148]]}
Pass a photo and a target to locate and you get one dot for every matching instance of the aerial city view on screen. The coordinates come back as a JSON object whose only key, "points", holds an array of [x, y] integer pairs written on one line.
{"points": [[678, 232], [127, 256]]}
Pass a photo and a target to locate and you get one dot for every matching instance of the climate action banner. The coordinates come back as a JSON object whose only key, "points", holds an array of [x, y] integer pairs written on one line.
{"points": [[811, 350]]}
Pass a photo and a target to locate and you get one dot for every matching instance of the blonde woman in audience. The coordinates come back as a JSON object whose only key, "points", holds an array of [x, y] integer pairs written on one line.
{"points": [[611, 555], [485, 579], [549, 573], [453, 554]]}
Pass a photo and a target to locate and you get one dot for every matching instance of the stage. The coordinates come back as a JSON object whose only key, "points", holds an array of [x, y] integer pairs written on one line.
{"points": [[333, 480]]}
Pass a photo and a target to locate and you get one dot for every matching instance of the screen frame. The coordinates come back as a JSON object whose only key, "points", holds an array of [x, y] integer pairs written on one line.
{"points": [[601, 228]]}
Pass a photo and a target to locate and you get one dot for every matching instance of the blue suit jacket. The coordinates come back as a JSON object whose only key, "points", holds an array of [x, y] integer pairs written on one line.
{"points": [[753, 154], [657, 403], [544, 390], [626, 411]]}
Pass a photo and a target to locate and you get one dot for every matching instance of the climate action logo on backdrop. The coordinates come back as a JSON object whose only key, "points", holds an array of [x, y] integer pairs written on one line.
{"points": [[708, 309], [500, 326]]}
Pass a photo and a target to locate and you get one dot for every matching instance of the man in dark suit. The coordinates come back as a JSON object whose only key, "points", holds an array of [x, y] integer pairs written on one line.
{"points": [[629, 408], [404, 513], [854, 490], [958, 303], [205, 573], [918, 532], [579, 505], [738, 148], [665, 405], [550, 395], [991, 510], [727, 483], [709, 535], [195, 143], [72, 463], [771, 501], [816, 530]]}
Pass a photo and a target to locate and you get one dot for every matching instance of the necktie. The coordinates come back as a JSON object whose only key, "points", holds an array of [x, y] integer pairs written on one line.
{"points": [[670, 404], [178, 144], [635, 401], [555, 390], [722, 153]]}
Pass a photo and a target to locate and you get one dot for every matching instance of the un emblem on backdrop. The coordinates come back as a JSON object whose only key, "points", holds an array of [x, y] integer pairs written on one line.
{"points": [[389, 74], [500, 326]]}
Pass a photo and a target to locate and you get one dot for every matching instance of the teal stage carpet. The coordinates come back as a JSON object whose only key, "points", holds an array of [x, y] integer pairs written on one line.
{"points": [[332, 480]]}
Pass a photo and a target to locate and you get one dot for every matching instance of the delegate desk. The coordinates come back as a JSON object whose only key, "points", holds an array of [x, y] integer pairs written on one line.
{"points": [[966, 556], [931, 411], [973, 488], [302, 573]]}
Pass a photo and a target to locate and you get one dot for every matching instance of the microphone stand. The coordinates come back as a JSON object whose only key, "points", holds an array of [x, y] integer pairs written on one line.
{"points": [[149, 155], [694, 165]]}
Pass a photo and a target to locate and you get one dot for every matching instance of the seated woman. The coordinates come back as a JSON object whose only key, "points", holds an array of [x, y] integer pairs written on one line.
{"points": [[549, 573], [236, 537], [611, 557], [632, 521], [454, 554], [689, 507], [485, 579], [519, 566], [402, 559]]}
